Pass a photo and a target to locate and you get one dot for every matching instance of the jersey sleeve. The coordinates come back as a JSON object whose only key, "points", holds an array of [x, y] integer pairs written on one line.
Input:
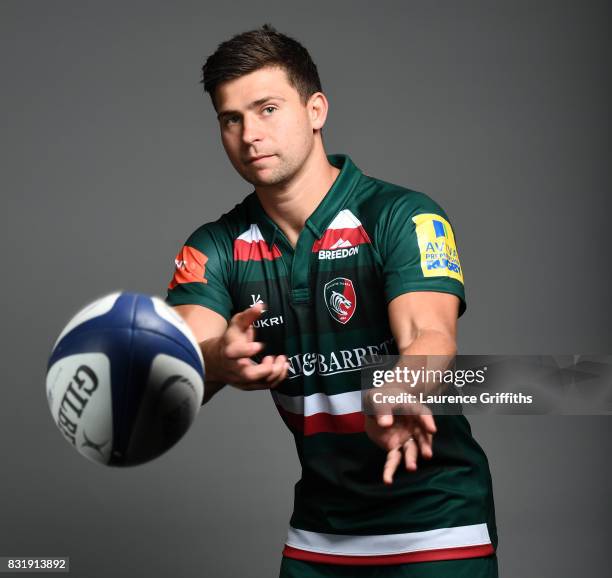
{"points": [[418, 248], [201, 275]]}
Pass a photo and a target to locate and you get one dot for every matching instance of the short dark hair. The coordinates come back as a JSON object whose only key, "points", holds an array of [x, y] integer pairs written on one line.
{"points": [[255, 49]]}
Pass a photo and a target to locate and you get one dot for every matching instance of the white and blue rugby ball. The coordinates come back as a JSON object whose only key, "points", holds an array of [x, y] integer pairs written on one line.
{"points": [[125, 379]]}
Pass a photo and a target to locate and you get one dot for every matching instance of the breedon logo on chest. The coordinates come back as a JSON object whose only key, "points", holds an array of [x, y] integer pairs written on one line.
{"points": [[340, 298], [341, 238]]}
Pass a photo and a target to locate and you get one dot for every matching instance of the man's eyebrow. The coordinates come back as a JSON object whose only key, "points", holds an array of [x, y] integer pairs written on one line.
{"points": [[254, 104]]}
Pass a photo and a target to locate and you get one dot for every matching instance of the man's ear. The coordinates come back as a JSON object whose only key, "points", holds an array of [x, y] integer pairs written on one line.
{"points": [[317, 110]]}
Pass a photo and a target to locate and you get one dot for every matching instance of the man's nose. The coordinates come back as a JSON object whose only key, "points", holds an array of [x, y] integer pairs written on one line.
{"points": [[251, 129]]}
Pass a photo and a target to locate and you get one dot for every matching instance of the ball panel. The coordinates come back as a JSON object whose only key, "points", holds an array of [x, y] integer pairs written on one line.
{"points": [[170, 403], [80, 399], [147, 317], [115, 345], [171, 316], [144, 347], [99, 307]]}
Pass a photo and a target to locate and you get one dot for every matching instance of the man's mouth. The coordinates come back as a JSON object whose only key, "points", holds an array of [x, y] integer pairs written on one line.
{"points": [[257, 158]]}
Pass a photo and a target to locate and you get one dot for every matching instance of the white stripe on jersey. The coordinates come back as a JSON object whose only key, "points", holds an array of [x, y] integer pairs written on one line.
{"points": [[385, 544], [338, 404]]}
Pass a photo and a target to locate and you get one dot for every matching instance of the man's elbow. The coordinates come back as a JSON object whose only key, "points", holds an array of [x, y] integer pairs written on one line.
{"points": [[431, 341]]}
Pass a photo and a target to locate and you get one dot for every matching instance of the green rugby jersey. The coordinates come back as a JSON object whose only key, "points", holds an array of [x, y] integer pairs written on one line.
{"points": [[367, 242]]}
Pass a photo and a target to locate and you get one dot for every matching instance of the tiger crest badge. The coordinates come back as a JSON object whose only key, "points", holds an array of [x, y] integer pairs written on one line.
{"points": [[340, 298]]}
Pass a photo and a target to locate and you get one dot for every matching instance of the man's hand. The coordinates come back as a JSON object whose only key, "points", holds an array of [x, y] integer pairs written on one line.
{"points": [[402, 436], [423, 323], [227, 358]]}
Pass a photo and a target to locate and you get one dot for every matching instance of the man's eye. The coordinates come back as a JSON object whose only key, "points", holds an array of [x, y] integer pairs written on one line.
{"points": [[269, 109], [231, 120]]}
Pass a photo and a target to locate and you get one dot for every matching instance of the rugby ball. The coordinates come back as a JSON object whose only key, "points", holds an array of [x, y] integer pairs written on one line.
{"points": [[125, 379]]}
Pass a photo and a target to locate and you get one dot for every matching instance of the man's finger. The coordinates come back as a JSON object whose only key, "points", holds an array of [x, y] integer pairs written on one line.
{"points": [[284, 370], [239, 349], [427, 423], [424, 441], [384, 420], [265, 375], [411, 451], [244, 319], [256, 373], [278, 366], [394, 457]]}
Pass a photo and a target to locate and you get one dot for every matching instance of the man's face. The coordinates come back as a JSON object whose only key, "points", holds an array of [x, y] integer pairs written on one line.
{"points": [[265, 127]]}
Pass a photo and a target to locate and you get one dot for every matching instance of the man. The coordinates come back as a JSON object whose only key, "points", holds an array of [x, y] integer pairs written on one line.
{"points": [[319, 272]]}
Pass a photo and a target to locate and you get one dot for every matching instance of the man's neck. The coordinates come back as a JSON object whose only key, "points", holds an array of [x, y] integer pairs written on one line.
{"points": [[290, 204]]}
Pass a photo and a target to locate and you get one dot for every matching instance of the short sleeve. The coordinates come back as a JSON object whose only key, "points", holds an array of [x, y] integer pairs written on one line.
{"points": [[418, 248], [201, 275]]}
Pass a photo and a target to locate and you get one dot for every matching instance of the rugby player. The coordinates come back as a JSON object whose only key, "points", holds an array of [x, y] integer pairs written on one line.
{"points": [[320, 272]]}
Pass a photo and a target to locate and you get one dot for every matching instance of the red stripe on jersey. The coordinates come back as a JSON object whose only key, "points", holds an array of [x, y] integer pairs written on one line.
{"points": [[328, 423], [355, 236], [190, 267], [254, 251], [459, 553], [324, 422]]}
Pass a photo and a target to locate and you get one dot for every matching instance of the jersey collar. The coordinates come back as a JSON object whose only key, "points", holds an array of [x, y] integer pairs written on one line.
{"points": [[328, 208]]}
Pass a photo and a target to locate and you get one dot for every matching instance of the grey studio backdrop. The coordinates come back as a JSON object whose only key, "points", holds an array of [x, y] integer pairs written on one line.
{"points": [[111, 157]]}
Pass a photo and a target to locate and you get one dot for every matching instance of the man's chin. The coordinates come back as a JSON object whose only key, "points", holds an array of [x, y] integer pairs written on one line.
{"points": [[263, 179]]}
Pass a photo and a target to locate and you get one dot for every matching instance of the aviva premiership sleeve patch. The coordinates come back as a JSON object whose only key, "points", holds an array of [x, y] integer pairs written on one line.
{"points": [[439, 257]]}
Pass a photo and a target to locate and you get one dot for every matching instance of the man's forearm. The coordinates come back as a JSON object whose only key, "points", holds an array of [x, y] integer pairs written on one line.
{"points": [[432, 350], [213, 381]]}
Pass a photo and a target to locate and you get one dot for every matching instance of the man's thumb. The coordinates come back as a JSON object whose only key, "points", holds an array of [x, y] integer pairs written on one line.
{"points": [[385, 420], [245, 318]]}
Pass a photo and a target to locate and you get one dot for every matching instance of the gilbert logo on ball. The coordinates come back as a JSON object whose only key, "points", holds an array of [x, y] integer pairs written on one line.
{"points": [[125, 379]]}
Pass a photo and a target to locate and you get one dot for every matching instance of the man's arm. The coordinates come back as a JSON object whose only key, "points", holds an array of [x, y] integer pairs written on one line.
{"points": [[425, 324], [227, 349], [205, 324]]}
